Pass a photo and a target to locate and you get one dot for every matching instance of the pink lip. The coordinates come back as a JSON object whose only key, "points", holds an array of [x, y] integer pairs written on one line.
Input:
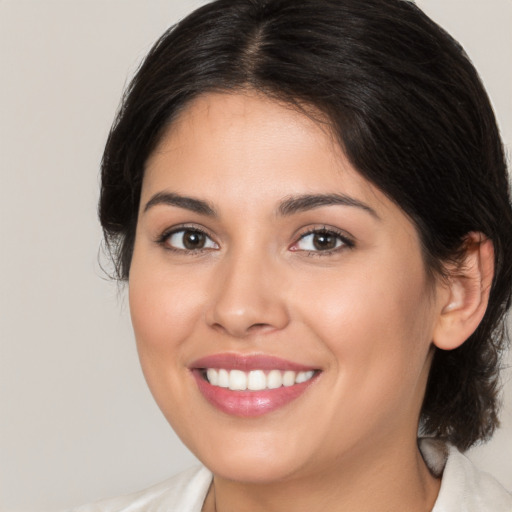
{"points": [[248, 403], [246, 363]]}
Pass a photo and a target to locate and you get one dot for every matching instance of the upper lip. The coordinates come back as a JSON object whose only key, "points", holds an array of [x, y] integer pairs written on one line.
{"points": [[243, 362]]}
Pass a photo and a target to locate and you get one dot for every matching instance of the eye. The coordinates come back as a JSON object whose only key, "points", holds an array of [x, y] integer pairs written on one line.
{"points": [[321, 240], [188, 239]]}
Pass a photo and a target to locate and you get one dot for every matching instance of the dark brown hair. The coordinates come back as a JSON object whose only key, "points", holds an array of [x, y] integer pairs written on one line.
{"points": [[407, 107]]}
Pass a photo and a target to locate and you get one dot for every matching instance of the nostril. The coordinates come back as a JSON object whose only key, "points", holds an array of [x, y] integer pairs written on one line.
{"points": [[258, 326], [241, 310], [242, 331]]}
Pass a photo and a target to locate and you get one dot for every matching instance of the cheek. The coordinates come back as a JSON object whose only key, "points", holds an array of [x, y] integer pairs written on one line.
{"points": [[164, 307], [376, 334], [377, 324], [365, 301]]}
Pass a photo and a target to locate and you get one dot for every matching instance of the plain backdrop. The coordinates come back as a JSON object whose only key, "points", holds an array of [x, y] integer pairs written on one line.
{"points": [[76, 420]]}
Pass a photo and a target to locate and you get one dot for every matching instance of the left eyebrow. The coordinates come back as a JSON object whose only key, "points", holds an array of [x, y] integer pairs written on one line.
{"points": [[187, 203], [295, 204]]}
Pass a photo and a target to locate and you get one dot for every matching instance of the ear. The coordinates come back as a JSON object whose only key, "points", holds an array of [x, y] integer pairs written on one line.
{"points": [[465, 294]]}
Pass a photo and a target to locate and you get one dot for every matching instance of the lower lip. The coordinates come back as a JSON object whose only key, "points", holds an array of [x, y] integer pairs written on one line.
{"points": [[248, 404]]}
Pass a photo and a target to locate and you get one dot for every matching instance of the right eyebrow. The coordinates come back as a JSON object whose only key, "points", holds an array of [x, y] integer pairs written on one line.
{"points": [[188, 203], [307, 202]]}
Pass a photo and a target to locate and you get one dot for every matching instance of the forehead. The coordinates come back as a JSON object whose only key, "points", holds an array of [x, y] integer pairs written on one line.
{"points": [[232, 145], [245, 122]]}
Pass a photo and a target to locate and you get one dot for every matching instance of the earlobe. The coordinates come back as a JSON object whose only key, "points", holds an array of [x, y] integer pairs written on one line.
{"points": [[465, 295]]}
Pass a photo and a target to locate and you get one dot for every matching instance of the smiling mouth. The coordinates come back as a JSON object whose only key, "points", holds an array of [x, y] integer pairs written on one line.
{"points": [[251, 385], [254, 380]]}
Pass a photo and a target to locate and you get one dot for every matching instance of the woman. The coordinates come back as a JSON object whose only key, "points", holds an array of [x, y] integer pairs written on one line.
{"points": [[310, 203]]}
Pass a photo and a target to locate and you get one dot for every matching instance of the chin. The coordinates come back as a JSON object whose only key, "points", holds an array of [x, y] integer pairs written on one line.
{"points": [[250, 456], [253, 468]]}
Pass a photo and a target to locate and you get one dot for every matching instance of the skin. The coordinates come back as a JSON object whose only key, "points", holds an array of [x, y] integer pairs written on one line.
{"points": [[364, 315]]}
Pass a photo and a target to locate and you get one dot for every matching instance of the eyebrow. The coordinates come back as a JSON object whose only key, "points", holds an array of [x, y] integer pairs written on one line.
{"points": [[307, 202], [289, 206], [188, 203]]}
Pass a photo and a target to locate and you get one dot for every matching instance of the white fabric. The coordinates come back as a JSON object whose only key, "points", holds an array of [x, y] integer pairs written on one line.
{"points": [[463, 488], [184, 492]]}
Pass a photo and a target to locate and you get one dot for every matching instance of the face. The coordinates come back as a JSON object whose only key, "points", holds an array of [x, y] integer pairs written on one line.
{"points": [[262, 259]]}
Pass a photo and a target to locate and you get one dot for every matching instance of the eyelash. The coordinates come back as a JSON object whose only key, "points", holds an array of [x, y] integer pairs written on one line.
{"points": [[163, 239], [346, 242]]}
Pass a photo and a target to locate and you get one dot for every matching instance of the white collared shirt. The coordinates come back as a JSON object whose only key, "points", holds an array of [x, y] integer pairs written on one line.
{"points": [[464, 488]]}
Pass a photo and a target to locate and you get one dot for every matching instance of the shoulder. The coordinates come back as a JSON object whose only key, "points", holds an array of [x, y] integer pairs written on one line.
{"points": [[464, 488], [184, 492]]}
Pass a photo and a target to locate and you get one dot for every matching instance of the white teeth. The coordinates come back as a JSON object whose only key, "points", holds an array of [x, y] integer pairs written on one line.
{"points": [[304, 376], [223, 378], [237, 380], [213, 376], [255, 380], [288, 378], [274, 379]]}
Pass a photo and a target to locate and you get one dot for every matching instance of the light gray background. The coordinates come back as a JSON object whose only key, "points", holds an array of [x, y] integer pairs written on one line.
{"points": [[76, 420]]}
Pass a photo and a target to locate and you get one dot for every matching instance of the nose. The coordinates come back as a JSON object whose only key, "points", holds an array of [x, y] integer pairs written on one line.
{"points": [[248, 297]]}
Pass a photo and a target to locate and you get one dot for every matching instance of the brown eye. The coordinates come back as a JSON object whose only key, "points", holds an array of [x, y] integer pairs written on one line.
{"points": [[190, 240], [324, 241], [193, 240]]}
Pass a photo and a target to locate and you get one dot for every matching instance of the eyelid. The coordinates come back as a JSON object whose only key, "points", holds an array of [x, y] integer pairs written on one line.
{"points": [[348, 241], [164, 237]]}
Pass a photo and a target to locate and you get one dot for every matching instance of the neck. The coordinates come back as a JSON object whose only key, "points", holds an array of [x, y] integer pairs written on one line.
{"points": [[392, 478]]}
